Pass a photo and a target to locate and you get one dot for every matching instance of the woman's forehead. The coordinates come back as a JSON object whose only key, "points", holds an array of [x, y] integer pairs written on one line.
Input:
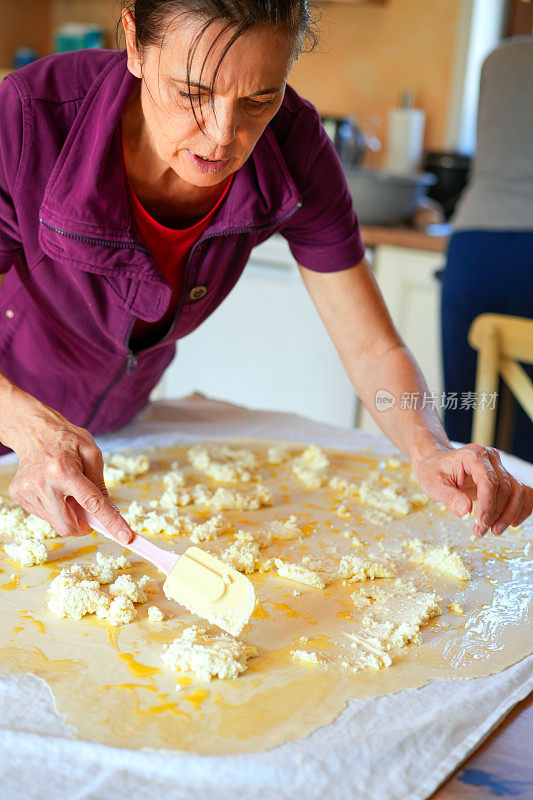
{"points": [[258, 60]]}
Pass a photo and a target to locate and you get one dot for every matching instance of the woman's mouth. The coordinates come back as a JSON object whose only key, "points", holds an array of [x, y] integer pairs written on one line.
{"points": [[207, 165]]}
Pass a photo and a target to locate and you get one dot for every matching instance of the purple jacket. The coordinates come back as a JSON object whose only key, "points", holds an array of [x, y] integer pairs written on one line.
{"points": [[78, 271]]}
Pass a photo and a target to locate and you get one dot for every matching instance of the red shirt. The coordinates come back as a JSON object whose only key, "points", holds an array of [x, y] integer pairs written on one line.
{"points": [[170, 248]]}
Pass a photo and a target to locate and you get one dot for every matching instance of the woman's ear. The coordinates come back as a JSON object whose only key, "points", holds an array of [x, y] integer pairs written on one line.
{"points": [[134, 59]]}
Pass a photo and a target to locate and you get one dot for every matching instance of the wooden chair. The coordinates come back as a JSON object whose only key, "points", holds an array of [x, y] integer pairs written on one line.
{"points": [[501, 341]]}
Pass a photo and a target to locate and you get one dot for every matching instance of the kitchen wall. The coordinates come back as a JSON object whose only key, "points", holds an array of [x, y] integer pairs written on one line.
{"points": [[369, 54]]}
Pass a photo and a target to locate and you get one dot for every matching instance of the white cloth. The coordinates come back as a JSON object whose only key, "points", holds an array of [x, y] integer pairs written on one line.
{"points": [[399, 747]]}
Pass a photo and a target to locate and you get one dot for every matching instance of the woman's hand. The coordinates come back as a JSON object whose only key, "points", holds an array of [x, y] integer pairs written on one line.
{"points": [[457, 477], [59, 460]]}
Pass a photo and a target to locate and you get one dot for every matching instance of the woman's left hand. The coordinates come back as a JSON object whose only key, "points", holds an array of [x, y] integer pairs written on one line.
{"points": [[459, 476]]}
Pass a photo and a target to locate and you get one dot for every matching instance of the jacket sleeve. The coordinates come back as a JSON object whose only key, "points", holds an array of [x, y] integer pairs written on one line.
{"points": [[11, 136], [324, 234]]}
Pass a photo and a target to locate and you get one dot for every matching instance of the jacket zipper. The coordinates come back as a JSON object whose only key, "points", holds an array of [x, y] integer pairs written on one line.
{"points": [[92, 240], [130, 364]]}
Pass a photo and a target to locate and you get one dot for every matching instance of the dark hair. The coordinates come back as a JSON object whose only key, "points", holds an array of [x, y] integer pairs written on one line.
{"points": [[154, 17]]}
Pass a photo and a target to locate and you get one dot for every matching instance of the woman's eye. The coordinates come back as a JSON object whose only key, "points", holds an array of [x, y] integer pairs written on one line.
{"points": [[191, 98], [259, 104]]}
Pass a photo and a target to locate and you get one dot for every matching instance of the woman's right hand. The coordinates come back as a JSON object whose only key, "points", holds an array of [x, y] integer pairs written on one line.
{"points": [[58, 460]]}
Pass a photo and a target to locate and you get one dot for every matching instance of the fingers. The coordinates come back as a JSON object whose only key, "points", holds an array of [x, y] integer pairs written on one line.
{"points": [[97, 503], [512, 509], [501, 499], [484, 475], [506, 490], [527, 508]]}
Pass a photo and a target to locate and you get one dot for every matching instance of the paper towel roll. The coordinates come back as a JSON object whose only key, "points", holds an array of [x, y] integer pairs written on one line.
{"points": [[405, 139]]}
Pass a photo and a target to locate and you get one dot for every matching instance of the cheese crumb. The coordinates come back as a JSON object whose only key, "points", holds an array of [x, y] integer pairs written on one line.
{"points": [[278, 454], [355, 568], [207, 656], [225, 498], [284, 531], [121, 611], [74, 598], [122, 467], [442, 558], [300, 573], [310, 467], [27, 552], [456, 608], [222, 463], [126, 586], [242, 554], [306, 657], [155, 614]]}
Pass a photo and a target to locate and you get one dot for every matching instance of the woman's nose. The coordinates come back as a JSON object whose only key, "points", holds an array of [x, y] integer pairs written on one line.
{"points": [[222, 125]]}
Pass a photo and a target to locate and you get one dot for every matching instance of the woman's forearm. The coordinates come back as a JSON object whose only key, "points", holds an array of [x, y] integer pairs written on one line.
{"points": [[386, 387]]}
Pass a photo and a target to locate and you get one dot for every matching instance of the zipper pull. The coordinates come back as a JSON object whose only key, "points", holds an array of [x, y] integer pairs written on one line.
{"points": [[131, 363]]}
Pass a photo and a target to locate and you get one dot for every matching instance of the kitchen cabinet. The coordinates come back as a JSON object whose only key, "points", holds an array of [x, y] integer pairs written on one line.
{"points": [[410, 283], [266, 347]]}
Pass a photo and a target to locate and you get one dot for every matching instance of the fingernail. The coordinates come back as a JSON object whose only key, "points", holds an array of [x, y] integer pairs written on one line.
{"points": [[485, 520], [462, 508], [124, 537], [498, 530]]}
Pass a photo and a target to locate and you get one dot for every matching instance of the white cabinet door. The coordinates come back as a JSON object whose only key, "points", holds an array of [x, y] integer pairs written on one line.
{"points": [[266, 347], [408, 282]]}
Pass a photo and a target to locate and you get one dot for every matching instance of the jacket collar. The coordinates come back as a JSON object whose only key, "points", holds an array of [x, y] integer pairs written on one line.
{"points": [[85, 213]]}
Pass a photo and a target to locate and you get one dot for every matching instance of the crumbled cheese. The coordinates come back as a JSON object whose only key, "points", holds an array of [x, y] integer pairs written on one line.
{"points": [[125, 585], [355, 568], [222, 463], [278, 454], [343, 511], [456, 608], [388, 629], [242, 554], [210, 529], [285, 531], [306, 657], [310, 467], [207, 656], [121, 611], [174, 479], [372, 493], [155, 614], [28, 552], [74, 598], [16, 522], [148, 585], [300, 573], [224, 498], [441, 558], [122, 467], [106, 567]]}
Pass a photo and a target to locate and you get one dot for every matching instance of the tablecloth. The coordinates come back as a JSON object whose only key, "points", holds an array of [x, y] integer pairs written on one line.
{"points": [[398, 747]]}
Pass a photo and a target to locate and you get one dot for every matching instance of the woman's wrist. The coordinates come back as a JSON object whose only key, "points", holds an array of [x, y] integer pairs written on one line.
{"points": [[19, 411], [426, 444]]}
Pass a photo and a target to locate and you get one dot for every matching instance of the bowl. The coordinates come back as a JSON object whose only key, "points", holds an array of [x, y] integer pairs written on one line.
{"points": [[386, 198]]}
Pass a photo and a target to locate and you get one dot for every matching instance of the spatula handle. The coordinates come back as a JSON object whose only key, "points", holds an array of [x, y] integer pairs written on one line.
{"points": [[163, 559]]}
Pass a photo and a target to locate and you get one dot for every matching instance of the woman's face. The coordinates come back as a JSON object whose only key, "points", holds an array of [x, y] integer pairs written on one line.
{"points": [[248, 92]]}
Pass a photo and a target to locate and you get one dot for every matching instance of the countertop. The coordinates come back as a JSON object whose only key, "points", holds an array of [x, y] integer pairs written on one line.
{"points": [[435, 238]]}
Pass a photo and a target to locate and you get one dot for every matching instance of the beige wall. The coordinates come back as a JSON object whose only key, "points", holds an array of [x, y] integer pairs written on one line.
{"points": [[369, 54], [23, 25]]}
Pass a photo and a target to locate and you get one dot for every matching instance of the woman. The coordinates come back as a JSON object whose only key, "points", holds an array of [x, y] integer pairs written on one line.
{"points": [[493, 228], [132, 190]]}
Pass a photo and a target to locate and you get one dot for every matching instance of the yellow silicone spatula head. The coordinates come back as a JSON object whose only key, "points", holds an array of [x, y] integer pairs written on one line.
{"points": [[211, 589]]}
